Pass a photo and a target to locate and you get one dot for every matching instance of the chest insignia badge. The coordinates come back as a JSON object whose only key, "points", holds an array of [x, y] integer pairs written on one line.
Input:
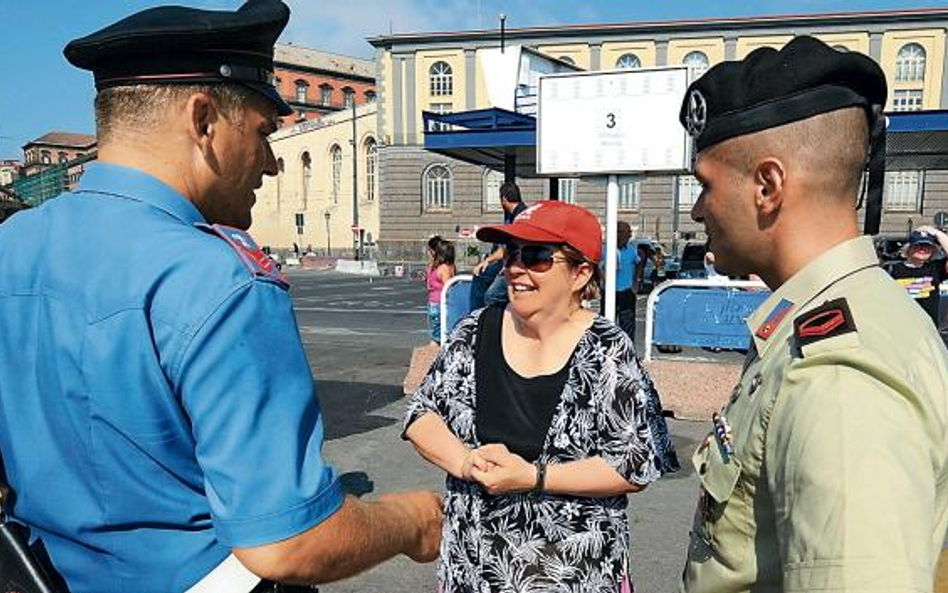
{"points": [[722, 433]]}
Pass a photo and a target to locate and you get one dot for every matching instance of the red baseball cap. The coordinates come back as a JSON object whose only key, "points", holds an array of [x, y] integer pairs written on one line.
{"points": [[551, 222]]}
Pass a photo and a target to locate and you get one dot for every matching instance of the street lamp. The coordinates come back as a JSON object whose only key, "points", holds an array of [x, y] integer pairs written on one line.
{"points": [[326, 215]]}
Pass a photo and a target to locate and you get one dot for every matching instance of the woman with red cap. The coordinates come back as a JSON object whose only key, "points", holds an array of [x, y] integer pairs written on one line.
{"points": [[543, 419]]}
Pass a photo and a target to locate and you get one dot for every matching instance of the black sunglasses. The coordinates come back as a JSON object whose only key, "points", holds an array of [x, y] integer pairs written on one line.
{"points": [[536, 258]]}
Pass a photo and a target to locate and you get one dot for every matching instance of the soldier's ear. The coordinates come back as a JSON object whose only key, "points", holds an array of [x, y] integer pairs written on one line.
{"points": [[769, 181]]}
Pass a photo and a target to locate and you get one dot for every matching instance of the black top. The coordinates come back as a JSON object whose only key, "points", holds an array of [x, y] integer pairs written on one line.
{"points": [[922, 283], [511, 409]]}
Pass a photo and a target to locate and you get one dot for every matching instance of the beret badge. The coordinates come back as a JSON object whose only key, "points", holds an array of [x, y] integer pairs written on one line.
{"points": [[697, 115]]}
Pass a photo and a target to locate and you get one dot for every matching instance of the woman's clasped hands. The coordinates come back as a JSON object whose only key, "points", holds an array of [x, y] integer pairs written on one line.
{"points": [[498, 470]]}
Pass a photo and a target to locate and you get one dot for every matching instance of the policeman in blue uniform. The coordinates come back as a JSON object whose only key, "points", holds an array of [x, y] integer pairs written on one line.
{"points": [[159, 421]]}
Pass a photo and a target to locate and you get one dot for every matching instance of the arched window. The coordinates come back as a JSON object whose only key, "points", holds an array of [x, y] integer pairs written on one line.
{"points": [[301, 88], [568, 60], [281, 169], [492, 182], [568, 191], [371, 169], [307, 163], [441, 79], [910, 64], [45, 157], [370, 96], [335, 156], [325, 94], [62, 158], [697, 60], [437, 187], [628, 61], [348, 97]]}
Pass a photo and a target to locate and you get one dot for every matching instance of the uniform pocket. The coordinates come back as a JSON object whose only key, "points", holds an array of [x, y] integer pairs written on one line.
{"points": [[724, 521]]}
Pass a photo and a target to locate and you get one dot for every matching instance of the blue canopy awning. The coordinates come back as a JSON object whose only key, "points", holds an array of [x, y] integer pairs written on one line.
{"points": [[484, 137], [917, 140]]}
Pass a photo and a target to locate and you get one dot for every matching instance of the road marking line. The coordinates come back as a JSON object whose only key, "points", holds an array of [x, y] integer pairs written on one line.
{"points": [[419, 311]]}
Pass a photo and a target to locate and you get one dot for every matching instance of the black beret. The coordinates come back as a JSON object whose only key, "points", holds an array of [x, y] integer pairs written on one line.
{"points": [[771, 88], [174, 44]]}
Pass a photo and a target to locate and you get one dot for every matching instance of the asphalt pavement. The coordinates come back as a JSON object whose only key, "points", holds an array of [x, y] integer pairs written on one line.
{"points": [[359, 334]]}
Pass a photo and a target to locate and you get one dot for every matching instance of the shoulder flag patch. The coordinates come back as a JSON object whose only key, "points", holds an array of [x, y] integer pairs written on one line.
{"points": [[829, 320], [258, 262]]}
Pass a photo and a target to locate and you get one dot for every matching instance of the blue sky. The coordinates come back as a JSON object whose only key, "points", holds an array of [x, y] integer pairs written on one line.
{"points": [[40, 92]]}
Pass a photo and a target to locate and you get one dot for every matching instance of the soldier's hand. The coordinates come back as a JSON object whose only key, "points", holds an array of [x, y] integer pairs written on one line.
{"points": [[425, 515]]}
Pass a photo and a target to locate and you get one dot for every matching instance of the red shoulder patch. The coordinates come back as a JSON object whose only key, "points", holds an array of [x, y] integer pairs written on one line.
{"points": [[258, 262], [829, 320]]}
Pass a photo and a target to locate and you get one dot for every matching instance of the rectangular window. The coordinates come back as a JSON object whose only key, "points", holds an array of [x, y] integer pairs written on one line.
{"points": [[301, 88], [325, 96], [440, 108], [907, 100], [903, 191], [630, 193], [688, 191], [568, 190], [348, 98]]}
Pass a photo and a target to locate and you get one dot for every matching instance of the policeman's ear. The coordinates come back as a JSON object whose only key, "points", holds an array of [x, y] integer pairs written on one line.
{"points": [[202, 116], [769, 181]]}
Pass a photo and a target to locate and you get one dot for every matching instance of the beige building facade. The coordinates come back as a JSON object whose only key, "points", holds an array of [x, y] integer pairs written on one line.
{"points": [[425, 193], [319, 191]]}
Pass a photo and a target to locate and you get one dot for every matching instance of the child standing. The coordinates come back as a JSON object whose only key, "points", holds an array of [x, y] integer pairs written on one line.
{"points": [[440, 270]]}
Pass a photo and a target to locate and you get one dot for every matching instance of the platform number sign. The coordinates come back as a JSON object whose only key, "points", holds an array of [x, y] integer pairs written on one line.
{"points": [[612, 122]]}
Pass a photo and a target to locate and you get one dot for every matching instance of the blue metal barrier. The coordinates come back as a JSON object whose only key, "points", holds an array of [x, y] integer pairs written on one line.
{"points": [[702, 313], [455, 303]]}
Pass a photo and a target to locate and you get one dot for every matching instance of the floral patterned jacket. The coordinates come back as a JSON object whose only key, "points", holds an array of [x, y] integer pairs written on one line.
{"points": [[526, 543]]}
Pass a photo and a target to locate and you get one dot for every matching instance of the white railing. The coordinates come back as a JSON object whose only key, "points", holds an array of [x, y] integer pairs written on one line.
{"points": [[444, 302]]}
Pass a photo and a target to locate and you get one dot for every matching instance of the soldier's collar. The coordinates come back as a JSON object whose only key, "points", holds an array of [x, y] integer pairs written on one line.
{"points": [[779, 309]]}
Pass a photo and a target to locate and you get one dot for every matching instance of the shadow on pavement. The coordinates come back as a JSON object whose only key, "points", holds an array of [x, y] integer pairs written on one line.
{"points": [[347, 407], [357, 484], [684, 446]]}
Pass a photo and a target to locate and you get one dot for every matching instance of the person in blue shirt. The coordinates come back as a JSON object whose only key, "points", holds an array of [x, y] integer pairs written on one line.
{"points": [[158, 419], [627, 265]]}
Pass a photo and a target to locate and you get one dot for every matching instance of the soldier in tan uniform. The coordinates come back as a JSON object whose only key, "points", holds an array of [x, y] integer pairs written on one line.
{"points": [[828, 469]]}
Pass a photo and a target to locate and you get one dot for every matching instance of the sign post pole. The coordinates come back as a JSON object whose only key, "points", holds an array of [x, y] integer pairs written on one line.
{"points": [[612, 215]]}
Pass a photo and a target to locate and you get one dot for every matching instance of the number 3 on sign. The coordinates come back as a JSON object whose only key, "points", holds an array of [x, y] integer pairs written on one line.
{"points": [[610, 120]]}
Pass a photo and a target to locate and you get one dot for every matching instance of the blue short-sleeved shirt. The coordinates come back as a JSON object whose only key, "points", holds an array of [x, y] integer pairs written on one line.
{"points": [[627, 258], [156, 404]]}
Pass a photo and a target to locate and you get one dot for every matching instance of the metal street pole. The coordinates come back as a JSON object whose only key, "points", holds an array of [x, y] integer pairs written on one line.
{"points": [[326, 215], [356, 233]]}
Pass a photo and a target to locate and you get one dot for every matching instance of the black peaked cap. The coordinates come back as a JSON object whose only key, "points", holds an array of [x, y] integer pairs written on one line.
{"points": [[771, 88], [175, 44]]}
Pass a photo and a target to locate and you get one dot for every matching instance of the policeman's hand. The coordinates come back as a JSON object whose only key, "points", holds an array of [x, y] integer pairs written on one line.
{"points": [[424, 512], [508, 472], [928, 230]]}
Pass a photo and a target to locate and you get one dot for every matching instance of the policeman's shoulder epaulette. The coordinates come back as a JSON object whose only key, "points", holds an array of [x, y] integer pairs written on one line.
{"points": [[832, 319], [256, 261]]}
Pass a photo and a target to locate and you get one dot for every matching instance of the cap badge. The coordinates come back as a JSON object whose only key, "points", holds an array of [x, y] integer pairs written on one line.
{"points": [[697, 113], [225, 71]]}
